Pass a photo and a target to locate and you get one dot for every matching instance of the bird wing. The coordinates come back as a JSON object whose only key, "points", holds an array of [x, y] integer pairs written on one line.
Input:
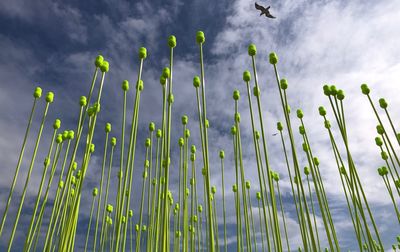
{"points": [[269, 15], [259, 7]]}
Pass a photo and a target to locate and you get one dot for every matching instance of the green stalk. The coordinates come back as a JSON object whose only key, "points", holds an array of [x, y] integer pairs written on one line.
{"points": [[222, 155], [258, 194], [46, 165], [251, 216], [37, 94], [107, 129], [49, 99], [103, 218], [273, 203], [146, 166], [90, 218]]}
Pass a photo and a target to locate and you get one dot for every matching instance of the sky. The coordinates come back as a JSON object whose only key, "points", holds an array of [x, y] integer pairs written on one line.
{"points": [[53, 44]]}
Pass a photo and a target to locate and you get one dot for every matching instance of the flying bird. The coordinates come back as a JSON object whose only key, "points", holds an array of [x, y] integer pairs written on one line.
{"points": [[264, 10]]}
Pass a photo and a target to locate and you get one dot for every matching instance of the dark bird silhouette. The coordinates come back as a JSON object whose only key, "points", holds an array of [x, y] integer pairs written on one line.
{"points": [[275, 134], [264, 10]]}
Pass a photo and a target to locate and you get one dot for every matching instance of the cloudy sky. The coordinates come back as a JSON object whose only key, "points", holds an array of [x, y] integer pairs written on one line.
{"points": [[52, 44]]}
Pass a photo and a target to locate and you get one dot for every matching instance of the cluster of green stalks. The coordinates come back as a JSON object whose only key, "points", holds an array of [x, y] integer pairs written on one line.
{"points": [[193, 222]]}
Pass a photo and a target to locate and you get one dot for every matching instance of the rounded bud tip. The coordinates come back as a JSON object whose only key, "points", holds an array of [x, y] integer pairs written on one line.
{"points": [[50, 97], [125, 85], [82, 101], [172, 41], [221, 154], [152, 126], [105, 66], [107, 128], [246, 76], [252, 50], [382, 103], [142, 53], [200, 38], [37, 93], [113, 141], [196, 81], [284, 84], [57, 124], [98, 61], [236, 95], [273, 58], [365, 89]]}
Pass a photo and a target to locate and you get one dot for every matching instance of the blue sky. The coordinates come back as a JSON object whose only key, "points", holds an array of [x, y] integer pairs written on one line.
{"points": [[53, 44]]}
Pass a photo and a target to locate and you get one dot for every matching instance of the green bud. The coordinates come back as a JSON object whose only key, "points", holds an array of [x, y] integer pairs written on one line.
{"points": [[207, 123], [258, 195], [82, 101], [284, 84], [306, 171], [95, 191], [105, 66], [316, 161], [257, 134], [99, 60], [234, 188], [152, 126], [246, 76], [233, 130], [171, 98], [248, 184], [74, 166], [384, 155], [181, 142], [142, 53], [46, 161], [327, 90], [236, 95], [137, 228], [213, 189], [365, 89], [59, 138], [279, 126], [125, 85], [187, 133], [327, 124], [159, 133], [305, 147], [252, 50], [382, 103], [107, 128], [193, 149], [147, 142], [139, 85], [166, 73], [380, 129], [196, 81], [37, 93], [299, 113], [221, 154], [256, 91], [70, 134], [57, 124], [91, 148], [163, 80], [49, 97], [340, 94], [342, 170], [185, 119], [237, 117], [200, 208], [302, 130], [273, 58], [200, 38], [113, 141], [65, 135], [193, 157], [276, 176], [322, 111], [172, 41], [333, 90], [378, 141]]}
